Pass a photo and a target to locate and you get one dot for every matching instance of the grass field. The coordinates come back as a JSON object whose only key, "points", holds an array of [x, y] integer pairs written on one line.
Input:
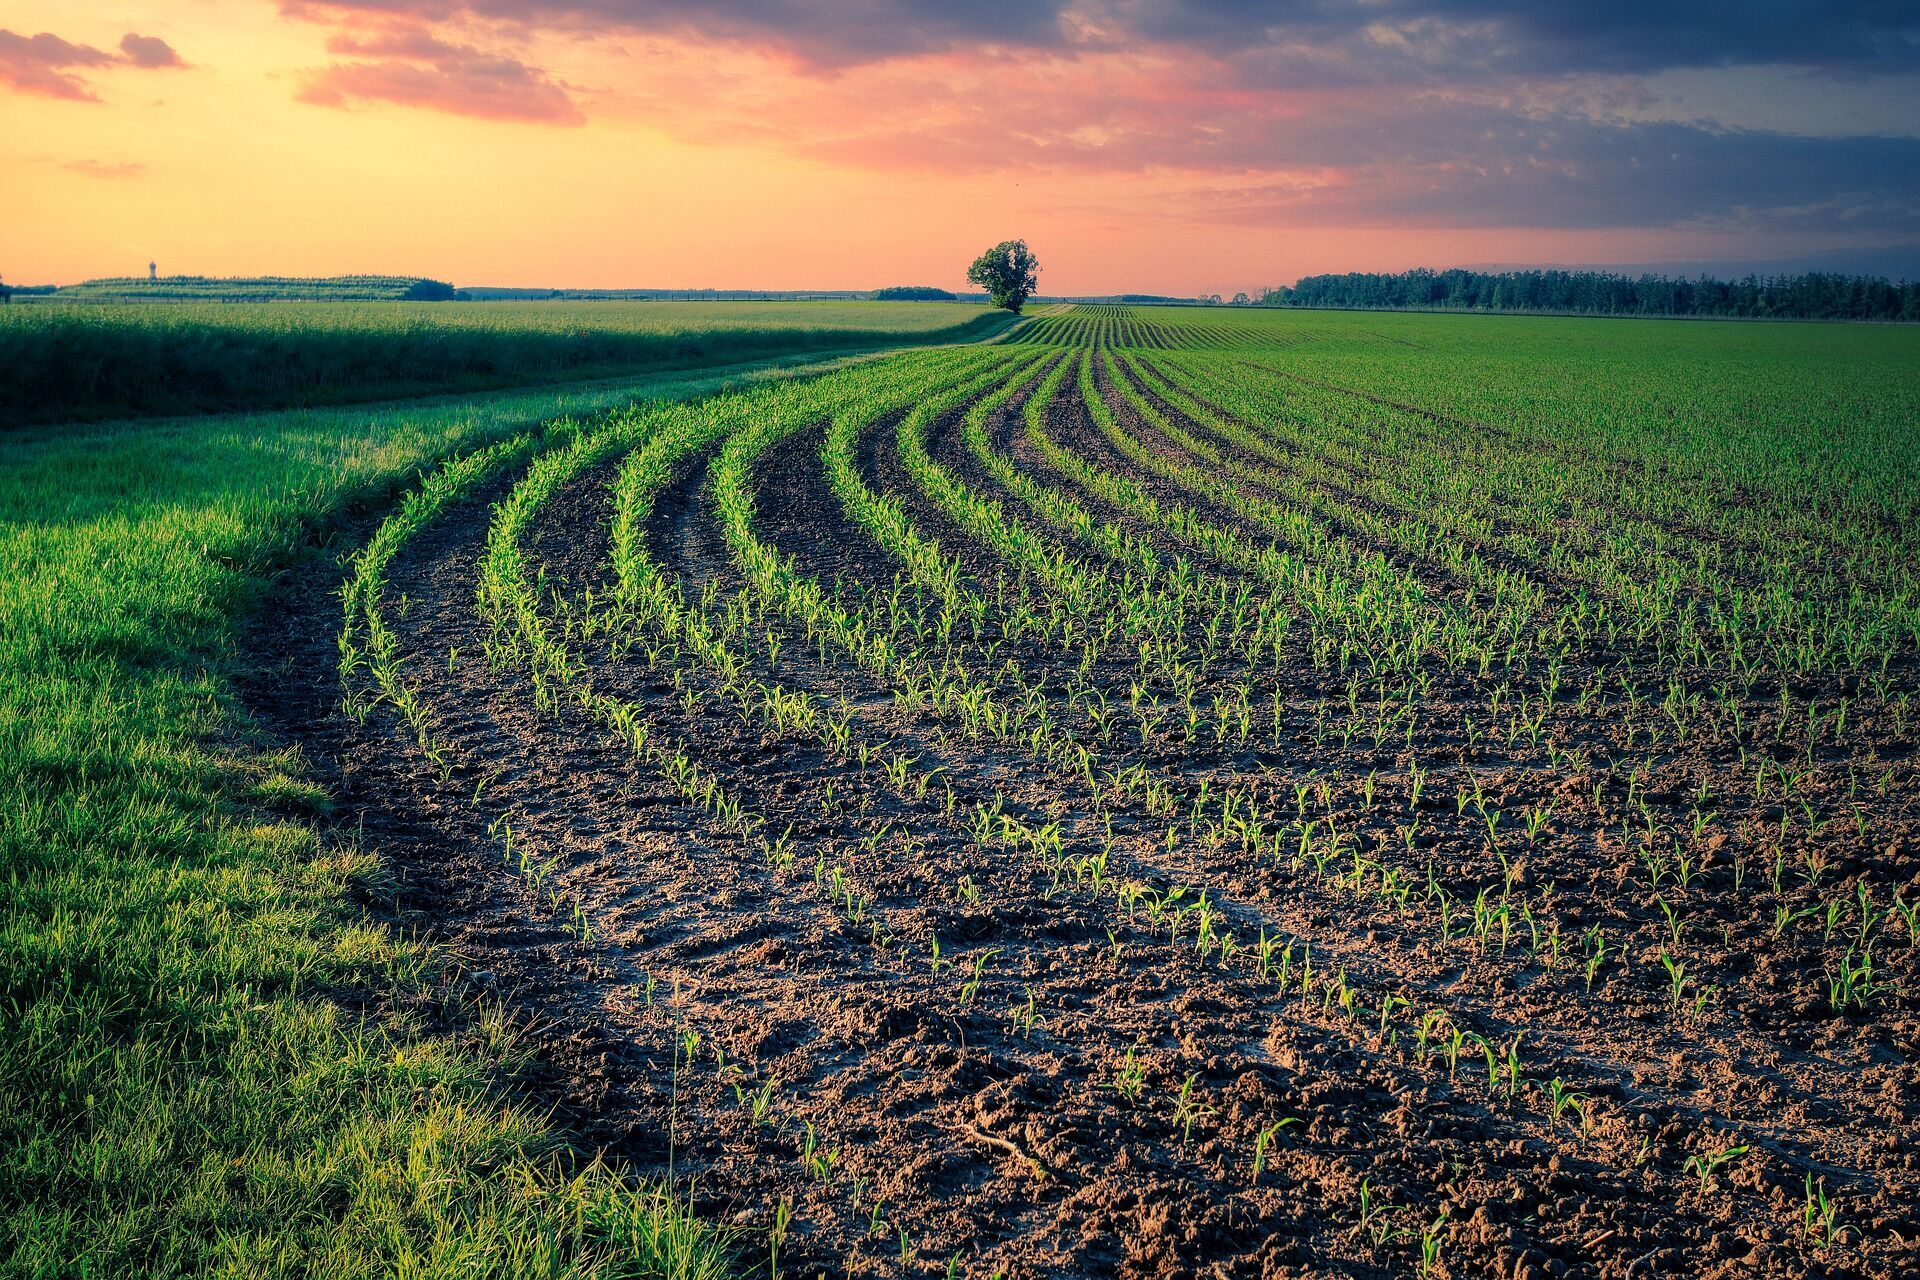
{"points": [[177, 289], [1174, 792], [61, 362]]}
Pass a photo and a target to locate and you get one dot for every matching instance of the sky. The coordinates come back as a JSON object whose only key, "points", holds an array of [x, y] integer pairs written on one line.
{"points": [[1163, 146]]}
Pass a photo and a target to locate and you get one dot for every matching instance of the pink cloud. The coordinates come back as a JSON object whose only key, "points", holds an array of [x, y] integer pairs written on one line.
{"points": [[44, 64], [1221, 149], [105, 168], [1418, 122], [1113, 111], [411, 67], [40, 65], [149, 51]]}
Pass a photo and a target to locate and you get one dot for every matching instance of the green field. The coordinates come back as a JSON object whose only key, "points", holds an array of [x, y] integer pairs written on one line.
{"points": [[1167, 788], [204, 289], [61, 361]]}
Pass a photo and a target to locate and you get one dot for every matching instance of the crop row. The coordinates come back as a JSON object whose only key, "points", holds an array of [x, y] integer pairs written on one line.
{"points": [[1370, 733]]}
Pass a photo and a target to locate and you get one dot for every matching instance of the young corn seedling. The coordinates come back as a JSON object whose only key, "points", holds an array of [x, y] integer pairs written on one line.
{"points": [[1909, 915], [1561, 1100], [777, 1237], [1130, 1078], [1390, 1005], [1432, 1237], [1510, 1068], [1850, 983], [1707, 1164], [1371, 1214], [1263, 1140], [971, 987], [759, 1105], [1674, 923], [1455, 1044], [1187, 1109], [1820, 1216], [817, 1160], [1021, 1018], [1676, 979]]}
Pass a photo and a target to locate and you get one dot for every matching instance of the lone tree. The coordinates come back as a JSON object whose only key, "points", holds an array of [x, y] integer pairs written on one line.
{"points": [[1008, 272]]}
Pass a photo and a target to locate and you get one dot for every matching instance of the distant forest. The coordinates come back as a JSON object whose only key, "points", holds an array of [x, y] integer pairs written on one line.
{"points": [[912, 293], [1814, 296]]}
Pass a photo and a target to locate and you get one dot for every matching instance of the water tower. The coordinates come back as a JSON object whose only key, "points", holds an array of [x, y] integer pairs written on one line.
{"points": [[153, 271]]}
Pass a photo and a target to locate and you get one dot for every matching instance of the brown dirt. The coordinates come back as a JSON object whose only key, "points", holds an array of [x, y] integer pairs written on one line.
{"points": [[1060, 1146]]}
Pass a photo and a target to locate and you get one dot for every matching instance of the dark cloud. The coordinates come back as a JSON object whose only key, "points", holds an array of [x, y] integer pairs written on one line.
{"points": [[1398, 158], [149, 51], [1550, 36], [1435, 113], [1458, 165], [825, 32], [414, 68], [1516, 36], [1642, 35]]}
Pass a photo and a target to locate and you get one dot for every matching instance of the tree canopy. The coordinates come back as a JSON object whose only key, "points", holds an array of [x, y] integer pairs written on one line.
{"points": [[911, 293], [1008, 272]]}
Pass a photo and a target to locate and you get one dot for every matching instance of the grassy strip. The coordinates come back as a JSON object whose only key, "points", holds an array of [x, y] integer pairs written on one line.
{"points": [[183, 1090]]}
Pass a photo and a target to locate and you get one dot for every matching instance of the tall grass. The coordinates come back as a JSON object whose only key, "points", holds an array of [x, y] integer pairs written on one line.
{"points": [[62, 362]]}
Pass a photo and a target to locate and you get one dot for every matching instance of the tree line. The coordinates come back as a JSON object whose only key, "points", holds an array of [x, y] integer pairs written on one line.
{"points": [[1815, 295]]}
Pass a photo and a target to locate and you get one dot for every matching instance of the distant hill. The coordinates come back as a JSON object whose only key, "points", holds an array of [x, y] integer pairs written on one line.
{"points": [[259, 289]]}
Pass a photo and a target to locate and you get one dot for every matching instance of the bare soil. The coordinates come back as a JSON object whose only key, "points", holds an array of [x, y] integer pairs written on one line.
{"points": [[1033, 1123]]}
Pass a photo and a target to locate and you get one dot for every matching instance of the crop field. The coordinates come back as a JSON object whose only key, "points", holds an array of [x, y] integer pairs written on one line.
{"points": [[1161, 792], [1193, 793], [97, 360]]}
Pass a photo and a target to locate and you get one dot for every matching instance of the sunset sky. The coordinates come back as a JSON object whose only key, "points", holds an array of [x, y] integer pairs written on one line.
{"points": [[1174, 146]]}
